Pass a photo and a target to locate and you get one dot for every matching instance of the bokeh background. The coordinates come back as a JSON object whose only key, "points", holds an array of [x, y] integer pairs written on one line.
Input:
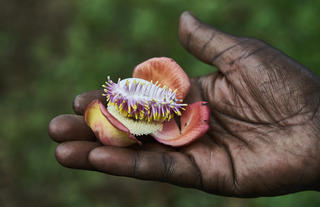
{"points": [[50, 51]]}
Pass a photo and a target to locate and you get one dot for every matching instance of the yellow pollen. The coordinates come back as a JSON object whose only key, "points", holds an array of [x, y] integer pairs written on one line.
{"points": [[134, 107]]}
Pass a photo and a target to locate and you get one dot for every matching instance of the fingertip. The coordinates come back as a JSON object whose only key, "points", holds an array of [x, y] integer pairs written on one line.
{"points": [[75, 154], [204, 41], [187, 24], [69, 127], [185, 13], [81, 101], [77, 107], [187, 19], [53, 128], [63, 154]]}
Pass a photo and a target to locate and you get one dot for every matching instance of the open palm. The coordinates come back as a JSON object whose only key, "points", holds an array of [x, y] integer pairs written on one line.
{"points": [[265, 124]]}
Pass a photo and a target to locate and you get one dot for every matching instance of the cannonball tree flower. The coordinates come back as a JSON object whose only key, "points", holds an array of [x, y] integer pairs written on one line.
{"points": [[147, 104]]}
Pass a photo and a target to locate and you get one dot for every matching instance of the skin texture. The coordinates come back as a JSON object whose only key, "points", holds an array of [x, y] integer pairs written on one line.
{"points": [[265, 124]]}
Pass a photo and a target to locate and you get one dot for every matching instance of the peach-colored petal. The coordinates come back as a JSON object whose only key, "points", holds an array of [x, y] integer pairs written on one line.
{"points": [[167, 72], [104, 130], [194, 124], [169, 131]]}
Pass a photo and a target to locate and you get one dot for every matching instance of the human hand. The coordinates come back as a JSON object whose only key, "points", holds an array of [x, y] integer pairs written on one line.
{"points": [[265, 124]]}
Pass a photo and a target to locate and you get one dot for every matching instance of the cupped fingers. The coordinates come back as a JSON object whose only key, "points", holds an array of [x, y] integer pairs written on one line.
{"points": [[70, 127]]}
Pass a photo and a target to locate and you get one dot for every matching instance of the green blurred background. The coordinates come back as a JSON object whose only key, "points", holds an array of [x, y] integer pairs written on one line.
{"points": [[50, 51]]}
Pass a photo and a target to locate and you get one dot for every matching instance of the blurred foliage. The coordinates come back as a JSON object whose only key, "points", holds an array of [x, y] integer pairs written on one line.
{"points": [[51, 51]]}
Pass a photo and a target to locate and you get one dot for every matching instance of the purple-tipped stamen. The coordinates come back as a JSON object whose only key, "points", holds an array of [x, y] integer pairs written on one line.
{"points": [[143, 100]]}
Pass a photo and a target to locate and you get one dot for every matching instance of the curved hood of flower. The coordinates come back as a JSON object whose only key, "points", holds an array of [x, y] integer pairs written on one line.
{"points": [[146, 104], [167, 72]]}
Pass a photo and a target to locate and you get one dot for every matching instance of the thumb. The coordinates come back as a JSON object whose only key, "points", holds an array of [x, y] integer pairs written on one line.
{"points": [[204, 41]]}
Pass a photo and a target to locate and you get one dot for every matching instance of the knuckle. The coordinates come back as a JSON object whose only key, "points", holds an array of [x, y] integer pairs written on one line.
{"points": [[136, 164], [168, 166], [77, 104]]}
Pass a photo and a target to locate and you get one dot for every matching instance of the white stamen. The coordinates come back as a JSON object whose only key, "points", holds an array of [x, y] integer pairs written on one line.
{"points": [[143, 90]]}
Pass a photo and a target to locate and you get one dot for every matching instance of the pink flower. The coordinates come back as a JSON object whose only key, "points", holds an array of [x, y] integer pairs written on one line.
{"points": [[147, 104]]}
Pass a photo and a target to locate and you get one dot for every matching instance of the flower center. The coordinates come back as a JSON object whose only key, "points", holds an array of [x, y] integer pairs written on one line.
{"points": [[143, 100]]}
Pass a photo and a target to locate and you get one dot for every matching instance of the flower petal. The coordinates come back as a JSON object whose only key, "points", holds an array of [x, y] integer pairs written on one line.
{"points": [[167, 72], [194, 124], [109, 133], [115, 123]]}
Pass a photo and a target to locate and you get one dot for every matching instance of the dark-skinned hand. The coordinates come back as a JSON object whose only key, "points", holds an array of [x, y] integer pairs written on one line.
{"points": [[264, 136]]}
